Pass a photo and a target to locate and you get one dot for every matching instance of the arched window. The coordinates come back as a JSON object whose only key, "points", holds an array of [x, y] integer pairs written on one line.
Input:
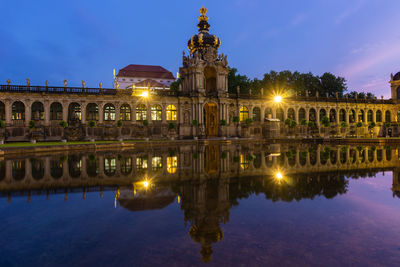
{"points": [[156, 113], [2, 111], [125, 112], [110, 166], [378, 116], [370, 116], [109, 112], [342, 115], [279, 114], [256, 114], [56, 111], [302, 114], [172, 164], [387, 116], [156, 163], [37, 111], [18, 111], [74, 166], [322, 113], [126, 165], [332, 115], [74, 112], [361, 115], [56, 168], [244, 113], [268, 113], [352, 116], [92, 112], [18, 169], [171, 113], [291, 115], [92, 165], [37, 168], [141, 112], [312, 116]]}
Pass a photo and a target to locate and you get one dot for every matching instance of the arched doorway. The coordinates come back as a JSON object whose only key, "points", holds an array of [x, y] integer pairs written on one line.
{"points": [[211, 119], [210, 77]]}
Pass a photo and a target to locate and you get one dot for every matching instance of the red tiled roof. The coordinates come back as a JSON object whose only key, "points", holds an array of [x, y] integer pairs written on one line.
{"points": [[145, 71], [149, 83]]}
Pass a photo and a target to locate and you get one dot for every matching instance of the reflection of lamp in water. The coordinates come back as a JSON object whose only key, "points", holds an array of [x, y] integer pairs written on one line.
{"points": [[146, 184], [279, 175]]}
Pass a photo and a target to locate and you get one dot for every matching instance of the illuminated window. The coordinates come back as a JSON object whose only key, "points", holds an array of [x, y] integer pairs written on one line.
{"points": [[156, 163], [141, 163], [110, 165], [352, 116], [342, 115], [126, 165], [74, 112], [244, 162], [387, 116], [125, 112], [361, 115], [171, 113], [109, 112], [18, 111], [172, 164], [244, 113], [156, 112], [141, 112]]}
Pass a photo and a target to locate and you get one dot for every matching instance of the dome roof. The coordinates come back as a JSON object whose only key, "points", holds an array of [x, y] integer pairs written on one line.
{"points": [[203, 39], [396, 77]]}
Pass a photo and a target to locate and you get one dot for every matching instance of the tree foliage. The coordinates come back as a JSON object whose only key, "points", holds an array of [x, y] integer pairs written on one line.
{"points": [[294, 83]]}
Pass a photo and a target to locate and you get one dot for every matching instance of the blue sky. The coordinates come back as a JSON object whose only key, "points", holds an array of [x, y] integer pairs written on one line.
{"points": [[86, 39]]}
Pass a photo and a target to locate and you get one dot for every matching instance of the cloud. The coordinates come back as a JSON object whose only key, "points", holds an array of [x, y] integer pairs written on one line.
{"points": [[349, 11]]}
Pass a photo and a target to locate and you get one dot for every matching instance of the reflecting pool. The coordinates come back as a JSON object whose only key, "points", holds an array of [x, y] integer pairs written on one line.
{"points": [[228, 204]]}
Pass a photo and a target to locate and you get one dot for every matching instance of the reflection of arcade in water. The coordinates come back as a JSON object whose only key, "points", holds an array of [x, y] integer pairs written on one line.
{"points": [[206, 180]]}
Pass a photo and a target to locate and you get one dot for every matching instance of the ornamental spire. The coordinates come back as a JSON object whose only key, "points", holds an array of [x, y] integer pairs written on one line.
{"points": [[203, 20]]}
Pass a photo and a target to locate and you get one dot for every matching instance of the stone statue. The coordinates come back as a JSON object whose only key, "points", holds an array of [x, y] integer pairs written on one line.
{"points": [[8, 81], [28, 82], [65, 83], [101, 85], [83, 84], [116, 85], [47, 83]]}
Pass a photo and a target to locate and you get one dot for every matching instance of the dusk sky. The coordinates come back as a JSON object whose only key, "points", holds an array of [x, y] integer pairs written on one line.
{"points": [[85, 40]]}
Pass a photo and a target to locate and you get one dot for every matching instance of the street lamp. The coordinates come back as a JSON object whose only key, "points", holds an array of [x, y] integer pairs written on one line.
{"points": [[277, 98]]}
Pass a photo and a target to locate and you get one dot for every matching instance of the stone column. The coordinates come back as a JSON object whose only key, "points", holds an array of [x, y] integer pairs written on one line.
{"points": [[8, 111], [101, 112], [83, 112], [46, 106], [27, 112], [133, 112], [117, 111], [65, 110]]}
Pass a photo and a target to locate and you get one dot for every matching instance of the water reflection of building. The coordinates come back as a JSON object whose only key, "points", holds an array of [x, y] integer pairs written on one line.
{"points": [[207, 180]]}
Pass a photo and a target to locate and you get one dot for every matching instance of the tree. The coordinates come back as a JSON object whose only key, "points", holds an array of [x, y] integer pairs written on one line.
{"points": [[235, 79], [331, 84], [175, 85]]}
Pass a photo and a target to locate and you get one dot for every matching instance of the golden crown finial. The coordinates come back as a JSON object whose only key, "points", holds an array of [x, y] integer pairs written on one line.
{"points": [[203, 11]]}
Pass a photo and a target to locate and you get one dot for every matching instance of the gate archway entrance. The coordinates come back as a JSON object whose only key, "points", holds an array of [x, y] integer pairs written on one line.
{"points": [[211, 119]]}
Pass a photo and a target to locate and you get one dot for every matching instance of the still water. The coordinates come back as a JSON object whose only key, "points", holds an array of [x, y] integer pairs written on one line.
{"points": [[227, 205]]}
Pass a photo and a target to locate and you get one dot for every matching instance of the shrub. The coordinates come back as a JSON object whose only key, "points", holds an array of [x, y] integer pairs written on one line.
{"points": [[195, 122], [2, 124], [235, 119], [63, 124], [343, 124], [359, 124], [303, 122], [32, 124], [222, 122], [92, 124], [310, 124], [120, 123], [387, 124], [171, 126], [145, 122], [293, 124], [372, 125], [325, 121]]}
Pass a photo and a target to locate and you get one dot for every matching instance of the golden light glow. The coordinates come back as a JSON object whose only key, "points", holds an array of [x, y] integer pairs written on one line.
{"points": [[145, 94], [277, 99], [279, 175], [146, 184]]}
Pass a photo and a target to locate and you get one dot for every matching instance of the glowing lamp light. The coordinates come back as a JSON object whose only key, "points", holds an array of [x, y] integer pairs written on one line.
{"points": [[145, 94], [146, 184], [277, 98], [279, 175]]}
